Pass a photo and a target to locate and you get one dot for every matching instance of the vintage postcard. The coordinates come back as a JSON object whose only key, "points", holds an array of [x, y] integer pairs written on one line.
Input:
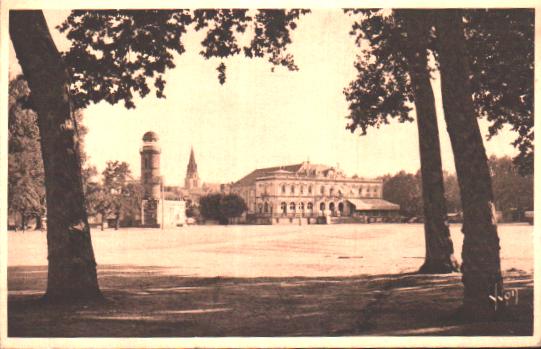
{"points": [[268, 174]]}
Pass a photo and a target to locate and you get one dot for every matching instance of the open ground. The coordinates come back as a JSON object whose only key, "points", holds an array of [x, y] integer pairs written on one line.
{"points": [[315, 280]]}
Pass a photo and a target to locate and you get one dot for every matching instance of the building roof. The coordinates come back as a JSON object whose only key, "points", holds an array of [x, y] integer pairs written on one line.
{"points": [[373, 204], [304, 169], [150, 136], [250, 178]]}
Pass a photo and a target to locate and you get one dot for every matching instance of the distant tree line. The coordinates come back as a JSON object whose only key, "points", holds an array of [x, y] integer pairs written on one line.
{"points": [[513, 192]]}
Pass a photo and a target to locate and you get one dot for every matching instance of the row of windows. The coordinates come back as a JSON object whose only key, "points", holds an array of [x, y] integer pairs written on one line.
{"points": [[369, 191], [292, 189], [300, 207], [322, 190], [331, 190]]}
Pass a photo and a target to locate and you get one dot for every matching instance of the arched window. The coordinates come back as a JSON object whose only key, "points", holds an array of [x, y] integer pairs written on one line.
{"points": [[322, 190], [331, 191], [339, 192], [310, 189], [283, 188], [292, 189], [260, 207], [283, 207], [331, 206], [360, 190], [310, 206], [322, 206], [266, 207], [301, 206], [302, 189], [292, 206], [341, 207]]}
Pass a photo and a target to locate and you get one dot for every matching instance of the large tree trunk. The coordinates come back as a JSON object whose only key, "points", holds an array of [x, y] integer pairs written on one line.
{"points": [[481, 249], [72, 267], [439, 256]]}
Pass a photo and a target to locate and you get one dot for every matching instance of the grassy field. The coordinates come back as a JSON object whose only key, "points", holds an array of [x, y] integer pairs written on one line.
{"points": [[263, 281]]}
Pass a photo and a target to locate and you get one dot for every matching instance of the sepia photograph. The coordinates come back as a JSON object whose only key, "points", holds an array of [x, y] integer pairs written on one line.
{"points": [[267, 175]]}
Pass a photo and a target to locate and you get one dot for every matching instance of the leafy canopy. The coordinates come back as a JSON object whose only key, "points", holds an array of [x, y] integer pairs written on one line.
{"points": [[221, 207], [116, 54], [501, 55]]}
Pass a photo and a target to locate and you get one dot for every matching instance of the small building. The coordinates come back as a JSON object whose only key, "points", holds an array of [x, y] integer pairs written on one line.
{"points": [[166, 213]]}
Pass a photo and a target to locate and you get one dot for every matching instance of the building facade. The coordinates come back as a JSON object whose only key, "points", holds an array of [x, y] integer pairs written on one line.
{"points": [[310, 193]]}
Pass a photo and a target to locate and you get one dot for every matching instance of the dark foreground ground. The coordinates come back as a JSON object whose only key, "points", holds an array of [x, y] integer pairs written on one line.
{"points": [[152, 302]]}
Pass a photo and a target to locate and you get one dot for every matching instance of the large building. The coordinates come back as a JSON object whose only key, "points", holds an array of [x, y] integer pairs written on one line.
{"points": [[310, 193], [156, 211]]}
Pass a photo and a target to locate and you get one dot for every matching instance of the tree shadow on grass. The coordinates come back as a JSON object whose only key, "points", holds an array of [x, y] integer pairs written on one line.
{"points": [[157, 302]]}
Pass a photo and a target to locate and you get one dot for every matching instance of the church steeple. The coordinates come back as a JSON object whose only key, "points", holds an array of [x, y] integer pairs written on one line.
{"points": [[192, 178], [192, 165]]}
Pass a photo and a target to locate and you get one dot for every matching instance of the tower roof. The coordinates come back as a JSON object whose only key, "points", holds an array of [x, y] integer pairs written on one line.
{"points": [[192, 165], [150, 136]]}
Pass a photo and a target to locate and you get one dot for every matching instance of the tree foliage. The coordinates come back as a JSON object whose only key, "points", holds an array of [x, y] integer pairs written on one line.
{"points": [[116, 177], [500, 44], [404, 189], [382, 88], [117, 54], [26, 191], [500, 53], [511, 189], [221, 207], [131, 203], [452, 193], [116, 194]]}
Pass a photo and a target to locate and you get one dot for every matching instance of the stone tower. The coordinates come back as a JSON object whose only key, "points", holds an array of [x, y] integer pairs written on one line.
{"points": [[192, 178], [150, 166]]}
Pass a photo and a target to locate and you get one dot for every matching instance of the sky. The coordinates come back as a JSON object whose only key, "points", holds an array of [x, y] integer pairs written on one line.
{"points": [[259, 118]]}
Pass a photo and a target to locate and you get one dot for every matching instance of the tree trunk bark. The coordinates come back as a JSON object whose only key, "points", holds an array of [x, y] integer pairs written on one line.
{"points": [[72, 267], [439, 256], [481, 249]]}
